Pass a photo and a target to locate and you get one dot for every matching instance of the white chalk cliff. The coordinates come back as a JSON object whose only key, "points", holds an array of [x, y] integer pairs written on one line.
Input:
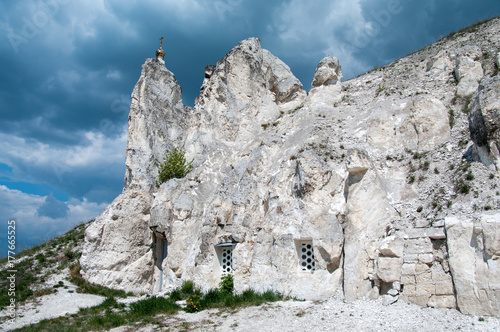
{"points": [[383, 185]]}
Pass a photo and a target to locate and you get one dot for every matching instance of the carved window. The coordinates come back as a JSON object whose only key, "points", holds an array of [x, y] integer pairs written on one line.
{"points": [[306, 256], [227, 260], [225, 255]]}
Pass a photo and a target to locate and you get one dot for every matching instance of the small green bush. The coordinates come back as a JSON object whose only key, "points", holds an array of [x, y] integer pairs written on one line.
{"points": [[227, 284], [469, 176], [69, 254], [187, 287], [380, 89], [174, 166], [212, 296], [40, 257], [175, 295], [462, 187]]}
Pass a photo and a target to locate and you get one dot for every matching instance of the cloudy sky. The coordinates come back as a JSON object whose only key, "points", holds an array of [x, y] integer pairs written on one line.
{"points": [[68, 69]]}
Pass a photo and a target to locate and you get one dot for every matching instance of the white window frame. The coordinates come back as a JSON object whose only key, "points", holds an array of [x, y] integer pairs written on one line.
{"points": [[305, 253], [223, 250]]}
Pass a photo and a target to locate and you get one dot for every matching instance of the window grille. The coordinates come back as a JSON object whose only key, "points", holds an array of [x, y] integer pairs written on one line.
{"points": [[306, 256], [225, 256], [226, 260]]}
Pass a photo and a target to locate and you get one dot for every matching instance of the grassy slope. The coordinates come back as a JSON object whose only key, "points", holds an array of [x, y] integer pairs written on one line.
{"points": [[34, 266]]}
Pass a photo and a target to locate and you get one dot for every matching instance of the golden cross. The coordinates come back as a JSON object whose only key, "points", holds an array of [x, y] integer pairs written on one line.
{"points": [[161, 41]]}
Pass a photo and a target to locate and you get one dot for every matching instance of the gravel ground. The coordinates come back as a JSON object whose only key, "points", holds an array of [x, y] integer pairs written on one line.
{"points": [[333, 314], [65, 301], [330, 315]]}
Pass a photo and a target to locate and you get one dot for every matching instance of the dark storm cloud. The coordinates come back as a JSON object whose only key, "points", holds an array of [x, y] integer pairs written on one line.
{"points": [[399, 27]]}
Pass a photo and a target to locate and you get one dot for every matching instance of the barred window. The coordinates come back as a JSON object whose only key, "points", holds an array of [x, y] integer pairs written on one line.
{"points": [[226, 263], [306, 256], [225, 256]]}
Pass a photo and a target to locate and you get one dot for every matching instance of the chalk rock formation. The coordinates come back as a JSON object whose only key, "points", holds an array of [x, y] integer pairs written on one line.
{"points": [[117, 253], [468, 70], [440, 63], [157, 119], [484, 122], [327, 72], [357, 187], [420, 123], [474, 249], [326, 88]]}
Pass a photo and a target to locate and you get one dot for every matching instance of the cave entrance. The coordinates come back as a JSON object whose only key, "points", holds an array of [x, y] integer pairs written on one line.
{"points": [[164, 246], [160, 253]]}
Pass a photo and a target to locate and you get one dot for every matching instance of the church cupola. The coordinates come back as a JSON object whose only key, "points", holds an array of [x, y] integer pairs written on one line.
{"points": [[160, 53]]}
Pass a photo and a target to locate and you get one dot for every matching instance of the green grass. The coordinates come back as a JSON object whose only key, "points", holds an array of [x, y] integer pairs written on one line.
{"points": [[152, 306], [25, 276], [217, 299], [36, 264], [110, 313], [107, 315], [40, 262]]}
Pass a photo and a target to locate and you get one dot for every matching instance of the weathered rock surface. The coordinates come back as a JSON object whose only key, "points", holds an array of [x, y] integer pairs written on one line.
{"points": [[420, 123], [468, 71], [328, 72], [126, 261], [474, 249], [157, 119], [484, 121], [358, 186]]}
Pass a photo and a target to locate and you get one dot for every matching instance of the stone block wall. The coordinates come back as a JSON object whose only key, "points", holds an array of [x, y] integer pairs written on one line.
{"points": [[425, 274]]}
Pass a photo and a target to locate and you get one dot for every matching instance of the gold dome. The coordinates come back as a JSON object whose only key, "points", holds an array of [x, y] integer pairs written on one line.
{"points": [[160, 52]]}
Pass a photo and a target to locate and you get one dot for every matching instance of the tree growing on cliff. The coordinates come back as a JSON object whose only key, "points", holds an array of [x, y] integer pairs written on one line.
{"points": [[175, 165]]}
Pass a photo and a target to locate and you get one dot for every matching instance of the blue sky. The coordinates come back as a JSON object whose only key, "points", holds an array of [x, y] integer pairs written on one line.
{"points": [[69, 67]]}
